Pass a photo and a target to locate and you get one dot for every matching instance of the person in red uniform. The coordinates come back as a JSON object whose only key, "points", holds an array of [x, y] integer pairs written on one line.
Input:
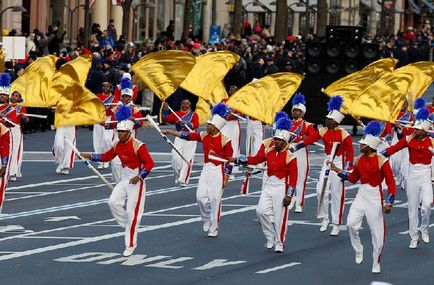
{"points": [[302, 129], [419, 188], [7, 112], [118, 89], [188, 118], [5, 151], [135, 114], [232, 127], [16, 116], [103, 136], [215, 174], [137, 163], [331, 133], [371, 169], [278, 187]]}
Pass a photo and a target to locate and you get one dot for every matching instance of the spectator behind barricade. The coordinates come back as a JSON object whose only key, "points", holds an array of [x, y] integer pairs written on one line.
{"points": [[386, 49], [111, 74], [96, 77], [106, 41], [170, 30], [409, 35], [266, 31], [247, 29], [40, 42], [271, 67], [111, 29], [400, 53], [257, 28], [54, 40], [80, 37], [414, 53], [30, 43]]}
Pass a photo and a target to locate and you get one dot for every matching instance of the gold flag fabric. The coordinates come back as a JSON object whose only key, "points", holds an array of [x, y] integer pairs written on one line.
{"points": [[2, 60], [208, 73], [384, 98], [263, 98], [203, 110], [35, 82], [352, 85], [164, 71], [75, 104]]}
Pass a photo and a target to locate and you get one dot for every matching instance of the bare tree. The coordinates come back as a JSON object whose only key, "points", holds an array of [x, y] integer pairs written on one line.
{"points": [[238, 18], [321, 18], [281, 27], [186, 25], [126, 9]]}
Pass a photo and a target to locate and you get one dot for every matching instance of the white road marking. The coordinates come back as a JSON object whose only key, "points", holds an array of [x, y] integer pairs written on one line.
{"points": [[218, 263], [63, 218], [278, 267], [407, 232], [168, 263], [51, 237]]}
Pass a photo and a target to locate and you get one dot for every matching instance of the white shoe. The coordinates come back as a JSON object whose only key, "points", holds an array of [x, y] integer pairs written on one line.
{"points": [[213, 233], [100, 165], [324, 226], [359, 256], [65, 171], [413, 243], [13, 178], [291, 205], [299, 209], [128, 251], [206, 226], [278, 248], [335, 231], [269, 244], [106, 164], [425, 237], [376, 268], [182, 184], [58, 169]]}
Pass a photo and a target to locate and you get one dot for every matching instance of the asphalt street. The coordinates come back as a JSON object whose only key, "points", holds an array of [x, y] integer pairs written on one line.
{"points": [[58, 229]]}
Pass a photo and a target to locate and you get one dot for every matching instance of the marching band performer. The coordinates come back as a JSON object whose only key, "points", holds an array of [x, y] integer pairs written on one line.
{"points": [[189, 118], [371, 169], [134, 88], [302, 129], [419, 188], [137, 163], [5, 152], [215, 174], [102, 136], [344, 158], [278, 187]]}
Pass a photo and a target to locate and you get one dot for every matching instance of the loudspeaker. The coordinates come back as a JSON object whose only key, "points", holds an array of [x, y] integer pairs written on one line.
{"points": [[314, 54], [344, 33]]}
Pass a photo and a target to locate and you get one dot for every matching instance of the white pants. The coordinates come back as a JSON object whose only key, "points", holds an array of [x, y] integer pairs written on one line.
{"points": [[116, 162], [232, 131], [335, 187], [4, 179], [209, 194], [399, 162], [272, 215], [419, 190], [254, 136], [102, 139], [181, 169], [369, 203], [303, 172], [63, 154], [127, 203], [17, 152]]}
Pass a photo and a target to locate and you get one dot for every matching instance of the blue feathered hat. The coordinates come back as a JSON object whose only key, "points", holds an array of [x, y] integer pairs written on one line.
{"points": [[372, 132], [334, 106], [419, 103], [126, 87], [277, 117], [5, 83], [298, 102], [219, 113], [283, 126], [422, 121], [123, 115]]}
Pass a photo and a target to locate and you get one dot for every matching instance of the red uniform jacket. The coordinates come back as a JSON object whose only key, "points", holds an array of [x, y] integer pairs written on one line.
{"points": [[190, 117], [303, 129], [372, 170], [9, 112], [117, 92], [418, 150], [108, 99], [4, 145], [219, 144], [18, 116]]}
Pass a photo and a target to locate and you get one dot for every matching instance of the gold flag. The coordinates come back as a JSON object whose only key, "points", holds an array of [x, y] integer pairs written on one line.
{"points": [[384, 98], [208, 72], [263, 98], [352, 85], [164, 71], [203, 110], [2, 60], [35, 82], [75, 104]]}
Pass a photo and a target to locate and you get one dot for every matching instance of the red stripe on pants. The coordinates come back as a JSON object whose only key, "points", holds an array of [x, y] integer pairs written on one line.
{"points": [[283, 227], [136, 212]]}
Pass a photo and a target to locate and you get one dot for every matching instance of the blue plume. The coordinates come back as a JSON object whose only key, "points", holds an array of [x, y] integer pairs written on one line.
{"points": [[284, 124], [373, 128], [419, 103], [123, 113], [5, 79], [335, 103], [298, 99], [280, 115], [126, 83], [221, 110], [422, 114]]}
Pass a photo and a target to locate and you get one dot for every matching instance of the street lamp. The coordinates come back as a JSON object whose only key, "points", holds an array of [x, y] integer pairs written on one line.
{"points": [[135, 20], [71, 15], [14, 9]]}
